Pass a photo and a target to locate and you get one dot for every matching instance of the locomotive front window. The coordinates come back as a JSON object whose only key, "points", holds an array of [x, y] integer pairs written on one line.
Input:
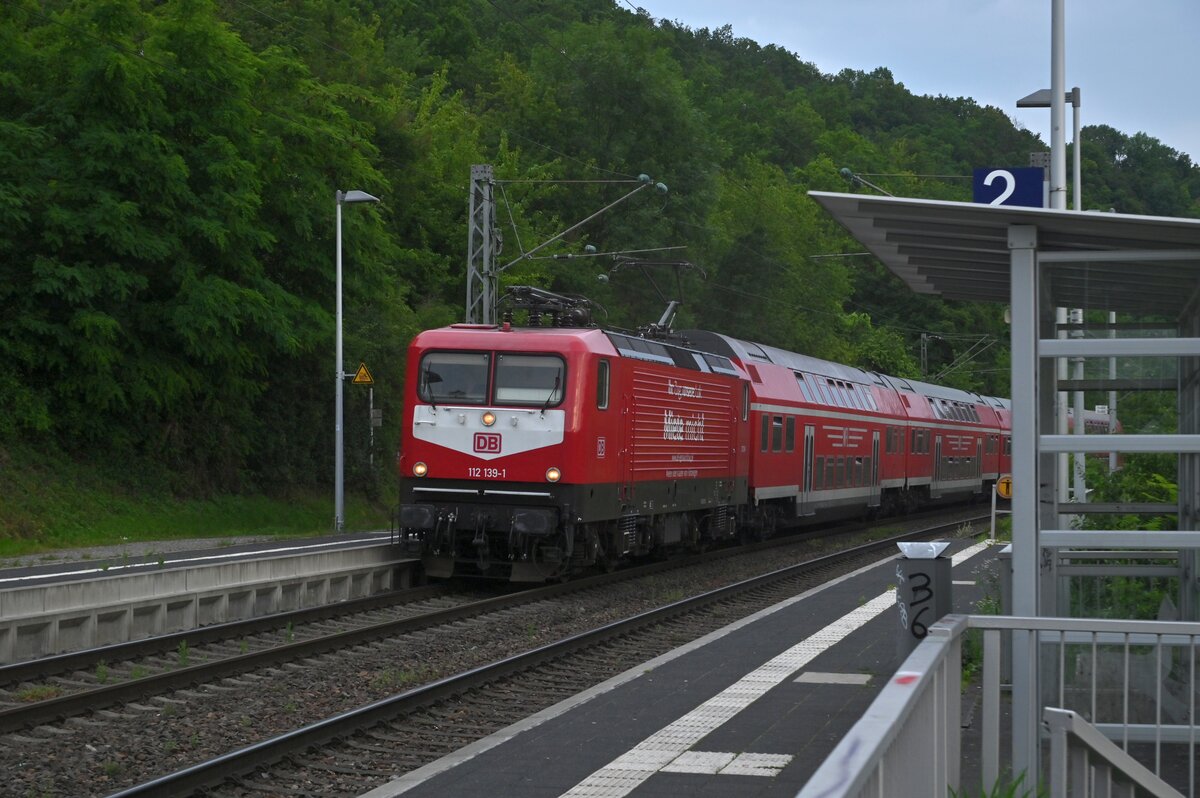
{"points": [[529, 380], [453, 378]]}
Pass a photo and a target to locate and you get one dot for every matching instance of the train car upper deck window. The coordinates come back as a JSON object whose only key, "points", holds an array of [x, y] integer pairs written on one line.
{"points": [[852, 394], [803, 387], [602, 385], [529, 380], [453, 378], [834, 394]]}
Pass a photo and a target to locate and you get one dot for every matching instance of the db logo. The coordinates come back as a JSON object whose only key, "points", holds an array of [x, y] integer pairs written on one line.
{"points": [[487, 442]]}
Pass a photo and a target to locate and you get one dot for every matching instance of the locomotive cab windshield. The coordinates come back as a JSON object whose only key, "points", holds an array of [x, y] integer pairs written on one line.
{"points": [[529, 380], [454, 378], [463, 378]]}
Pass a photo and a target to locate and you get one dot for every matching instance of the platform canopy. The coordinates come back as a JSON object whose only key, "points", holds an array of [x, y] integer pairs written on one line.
{"points": [[959, 250]]}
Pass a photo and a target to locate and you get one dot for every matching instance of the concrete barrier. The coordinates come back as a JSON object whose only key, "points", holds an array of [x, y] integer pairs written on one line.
{"points": [[38, 621]]}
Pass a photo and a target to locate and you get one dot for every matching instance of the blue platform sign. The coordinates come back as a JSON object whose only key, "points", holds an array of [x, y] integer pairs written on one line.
{"points": [[1010, 186]]}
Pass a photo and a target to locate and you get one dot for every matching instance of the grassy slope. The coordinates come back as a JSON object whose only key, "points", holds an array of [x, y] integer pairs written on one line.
{"points": [[48, 502]]}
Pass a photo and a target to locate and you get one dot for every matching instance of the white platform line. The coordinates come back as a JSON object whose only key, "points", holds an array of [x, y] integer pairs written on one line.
{"points": [[625, 773]]}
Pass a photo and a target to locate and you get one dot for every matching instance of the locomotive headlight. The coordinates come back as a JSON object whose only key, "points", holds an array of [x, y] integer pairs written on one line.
{"points": [[553, 474], [489, 418], [420, 469]]}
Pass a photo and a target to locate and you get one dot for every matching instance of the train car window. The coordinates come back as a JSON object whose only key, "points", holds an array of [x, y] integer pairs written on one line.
{"points": [[602, 385], [830, 471], [835, 394], [789, 434], [777, 433], [819, 474], [858, 472], [766, 431], [912, 448], [529, 380], [804, 387], [839, 472], [819, 393], [855, 396], [453, 378], [745, 401]]}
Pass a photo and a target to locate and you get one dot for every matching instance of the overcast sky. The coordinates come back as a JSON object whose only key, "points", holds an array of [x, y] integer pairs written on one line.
{"points": [[1134, 62]]}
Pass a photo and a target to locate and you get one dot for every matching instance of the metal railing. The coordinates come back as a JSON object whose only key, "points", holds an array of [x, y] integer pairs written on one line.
{"points": [[1085, 762], [1133, 681]]}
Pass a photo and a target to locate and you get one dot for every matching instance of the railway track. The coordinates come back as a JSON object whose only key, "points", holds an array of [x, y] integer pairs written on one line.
{"points": [[53, 688], [380, 659]]}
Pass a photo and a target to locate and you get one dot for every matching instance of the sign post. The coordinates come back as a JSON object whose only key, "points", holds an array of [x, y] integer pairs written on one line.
{"points": [[363, 377], [1003, 488]]}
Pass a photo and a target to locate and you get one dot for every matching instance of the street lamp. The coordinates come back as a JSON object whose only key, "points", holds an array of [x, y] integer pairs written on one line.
{"points": [[339, 516]]}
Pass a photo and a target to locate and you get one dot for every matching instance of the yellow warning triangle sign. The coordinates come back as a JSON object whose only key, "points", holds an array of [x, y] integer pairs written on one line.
{"points": [[362, 376]]}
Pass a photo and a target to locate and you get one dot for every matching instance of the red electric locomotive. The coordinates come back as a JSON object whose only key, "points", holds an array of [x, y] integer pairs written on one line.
{"points": [[531, 453]]}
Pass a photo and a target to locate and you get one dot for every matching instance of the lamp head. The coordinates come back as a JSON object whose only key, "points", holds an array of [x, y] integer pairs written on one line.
{"points": [[355, 196]]}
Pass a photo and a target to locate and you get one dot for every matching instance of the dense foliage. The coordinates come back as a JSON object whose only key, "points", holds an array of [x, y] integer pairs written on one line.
{"points": [[167, 179]]}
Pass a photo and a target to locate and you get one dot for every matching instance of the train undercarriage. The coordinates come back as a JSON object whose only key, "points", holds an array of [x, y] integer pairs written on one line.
{"points": [[534, 544]]}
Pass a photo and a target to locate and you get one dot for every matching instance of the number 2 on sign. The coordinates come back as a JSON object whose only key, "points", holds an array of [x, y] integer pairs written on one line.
{"points": [[1010, 182]]}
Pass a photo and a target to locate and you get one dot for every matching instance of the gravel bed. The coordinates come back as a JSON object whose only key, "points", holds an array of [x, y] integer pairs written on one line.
{"points": [[112, 750]]}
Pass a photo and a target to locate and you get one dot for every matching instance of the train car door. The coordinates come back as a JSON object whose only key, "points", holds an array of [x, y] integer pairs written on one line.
{"points": [[873, 501], [804, 505]]}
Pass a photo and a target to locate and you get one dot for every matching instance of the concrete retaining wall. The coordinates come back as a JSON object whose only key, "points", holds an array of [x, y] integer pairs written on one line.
{"points": [[38, 621]]}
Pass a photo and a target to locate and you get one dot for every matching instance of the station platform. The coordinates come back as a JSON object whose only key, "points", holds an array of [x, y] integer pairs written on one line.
{"points": [[749, 710]]}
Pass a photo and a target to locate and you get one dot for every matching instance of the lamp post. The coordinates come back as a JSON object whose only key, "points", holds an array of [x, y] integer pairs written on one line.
{"points": [[1044, 98], [339, 515]]}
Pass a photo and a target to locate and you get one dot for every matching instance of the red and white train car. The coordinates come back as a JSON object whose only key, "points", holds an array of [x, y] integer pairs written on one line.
{"points": [[529, 453], [836, 440]]}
